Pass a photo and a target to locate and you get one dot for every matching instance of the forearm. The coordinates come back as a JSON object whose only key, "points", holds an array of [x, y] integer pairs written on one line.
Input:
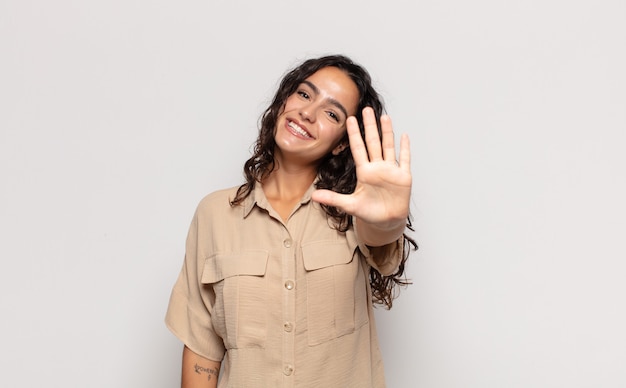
{"points": [[378, 235], [198, 372]]}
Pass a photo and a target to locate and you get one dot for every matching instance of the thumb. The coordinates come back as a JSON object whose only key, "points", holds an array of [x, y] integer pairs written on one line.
{"points": [[331, 198]]}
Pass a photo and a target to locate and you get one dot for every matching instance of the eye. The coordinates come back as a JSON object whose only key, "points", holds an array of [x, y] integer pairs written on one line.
{"points": [[333, 116], [303, 94]]}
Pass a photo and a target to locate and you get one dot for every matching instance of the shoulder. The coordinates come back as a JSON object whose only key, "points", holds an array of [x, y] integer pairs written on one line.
{"points": [[217, 200]]}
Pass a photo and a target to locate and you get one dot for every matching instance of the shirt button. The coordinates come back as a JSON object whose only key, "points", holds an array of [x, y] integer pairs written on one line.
{"points": [[288, 370], [289, 285], [287, 243], [288, 327]]}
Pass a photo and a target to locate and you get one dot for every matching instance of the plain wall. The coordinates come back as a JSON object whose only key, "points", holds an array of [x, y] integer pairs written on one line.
{"points": [[117, 117]]}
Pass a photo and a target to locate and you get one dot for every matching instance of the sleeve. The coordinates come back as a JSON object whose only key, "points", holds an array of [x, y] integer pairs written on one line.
{"points": [[191, 303], [385, 259]]}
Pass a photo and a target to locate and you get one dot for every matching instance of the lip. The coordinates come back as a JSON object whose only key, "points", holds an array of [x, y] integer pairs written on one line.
{"points": [[297, 133]]}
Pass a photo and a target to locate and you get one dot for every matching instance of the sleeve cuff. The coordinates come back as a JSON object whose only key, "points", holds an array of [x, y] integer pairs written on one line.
{"points": [[192, 329]]}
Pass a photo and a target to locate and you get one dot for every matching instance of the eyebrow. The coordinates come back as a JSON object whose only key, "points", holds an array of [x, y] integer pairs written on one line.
{"points": [[330, 100]]}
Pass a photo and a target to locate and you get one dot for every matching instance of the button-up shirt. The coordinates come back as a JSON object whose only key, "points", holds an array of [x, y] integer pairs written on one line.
{"points": [[279, 303]]}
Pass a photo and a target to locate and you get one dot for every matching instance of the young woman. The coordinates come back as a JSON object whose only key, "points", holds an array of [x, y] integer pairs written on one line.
{"points": [[280, 274]]}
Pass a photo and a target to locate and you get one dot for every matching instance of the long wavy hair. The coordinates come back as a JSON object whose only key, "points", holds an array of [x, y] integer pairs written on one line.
{"points": [[335, 172]]}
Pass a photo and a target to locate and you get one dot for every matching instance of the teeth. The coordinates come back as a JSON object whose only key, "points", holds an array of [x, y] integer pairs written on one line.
{"points": [[299, 130]]}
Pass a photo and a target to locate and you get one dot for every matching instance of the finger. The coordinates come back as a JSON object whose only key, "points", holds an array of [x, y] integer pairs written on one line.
{"points": [[405, 153], [389, 150], [331, 198], [372, 139], [359, 152]]}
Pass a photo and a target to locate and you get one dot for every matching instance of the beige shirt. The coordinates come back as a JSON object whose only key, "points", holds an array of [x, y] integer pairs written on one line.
{"points": [[280, 304]]}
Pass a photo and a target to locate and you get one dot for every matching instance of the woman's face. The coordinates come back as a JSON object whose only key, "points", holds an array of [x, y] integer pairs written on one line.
{"points": [[314, 117]]}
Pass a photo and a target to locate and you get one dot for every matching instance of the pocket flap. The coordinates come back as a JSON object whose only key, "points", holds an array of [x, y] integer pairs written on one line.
{"points": [[322, 254], [223, 265]]}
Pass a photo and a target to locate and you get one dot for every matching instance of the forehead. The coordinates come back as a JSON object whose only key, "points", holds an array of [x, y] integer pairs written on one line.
{"points": [[336, 84]]}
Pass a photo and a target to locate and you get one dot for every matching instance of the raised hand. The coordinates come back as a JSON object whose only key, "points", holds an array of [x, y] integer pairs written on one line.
{"points": [[383, 189]]}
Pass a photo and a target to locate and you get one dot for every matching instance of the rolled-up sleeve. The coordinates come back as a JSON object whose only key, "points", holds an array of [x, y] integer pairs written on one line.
{"points": [[385, 259], [189, 311]]}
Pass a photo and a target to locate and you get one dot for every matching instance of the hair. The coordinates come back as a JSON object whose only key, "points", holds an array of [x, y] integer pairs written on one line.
{"points": [[335, 172]]}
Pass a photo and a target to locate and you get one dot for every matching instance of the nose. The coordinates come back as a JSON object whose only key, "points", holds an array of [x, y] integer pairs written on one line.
{"points": [[308, 112]]}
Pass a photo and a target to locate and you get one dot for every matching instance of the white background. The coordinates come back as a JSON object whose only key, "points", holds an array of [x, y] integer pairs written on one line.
{"points": [[117, 117]]}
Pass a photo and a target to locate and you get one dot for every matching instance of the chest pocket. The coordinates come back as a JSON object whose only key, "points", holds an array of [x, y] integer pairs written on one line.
{"points": [[336, 291], [240, 286]]}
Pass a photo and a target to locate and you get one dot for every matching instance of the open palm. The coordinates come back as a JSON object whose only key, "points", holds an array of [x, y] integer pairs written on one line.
{"points": [[383, 188]]}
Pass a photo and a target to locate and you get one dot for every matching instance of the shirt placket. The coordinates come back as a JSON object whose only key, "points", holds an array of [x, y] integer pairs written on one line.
{"points": [[289, 306]]}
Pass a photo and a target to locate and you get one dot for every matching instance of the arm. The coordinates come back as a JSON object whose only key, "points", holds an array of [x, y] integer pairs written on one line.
{"points": [[380, 201], [198, 372]]}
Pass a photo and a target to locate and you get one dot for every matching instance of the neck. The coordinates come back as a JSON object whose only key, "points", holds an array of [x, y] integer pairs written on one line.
{"points": [[290, 179], [288, 183]]}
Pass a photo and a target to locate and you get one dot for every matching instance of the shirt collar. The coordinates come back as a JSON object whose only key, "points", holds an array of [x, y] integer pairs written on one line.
{"points": [[257, 197]]}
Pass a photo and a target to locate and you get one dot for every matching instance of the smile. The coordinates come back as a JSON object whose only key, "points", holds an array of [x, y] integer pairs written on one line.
{"points": [[298, 130]]}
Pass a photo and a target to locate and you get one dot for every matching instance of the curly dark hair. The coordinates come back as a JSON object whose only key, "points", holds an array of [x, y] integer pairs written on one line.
{"points": [[335, 172]]}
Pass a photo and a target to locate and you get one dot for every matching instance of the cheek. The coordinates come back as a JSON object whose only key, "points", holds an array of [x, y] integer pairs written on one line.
{"points": [[289, 104], [337, 134]]}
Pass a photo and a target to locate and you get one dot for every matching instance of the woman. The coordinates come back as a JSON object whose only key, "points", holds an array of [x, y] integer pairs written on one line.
{"points": [[280, 273]]}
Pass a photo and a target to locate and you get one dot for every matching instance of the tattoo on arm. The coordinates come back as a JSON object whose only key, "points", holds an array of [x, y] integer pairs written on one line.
{"points": [[211, 372]]}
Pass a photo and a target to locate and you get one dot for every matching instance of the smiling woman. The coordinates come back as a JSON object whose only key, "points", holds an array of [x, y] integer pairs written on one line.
{"points": [[313, 121], [280, 273]]}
